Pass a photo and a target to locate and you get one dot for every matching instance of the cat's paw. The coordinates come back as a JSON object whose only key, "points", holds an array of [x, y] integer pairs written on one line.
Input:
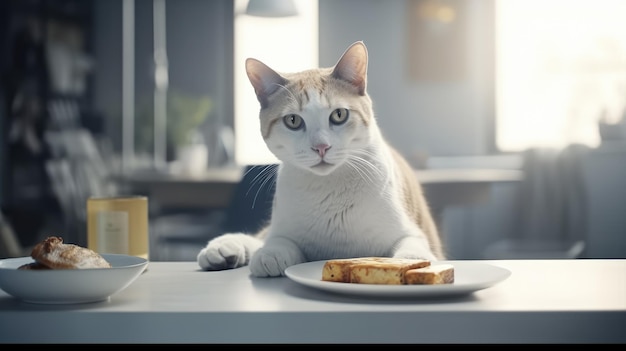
{"points": [[228, 251], [272, 260], [414, 248]]}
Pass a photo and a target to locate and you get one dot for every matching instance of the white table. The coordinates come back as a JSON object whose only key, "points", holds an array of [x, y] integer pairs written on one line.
{"points": [[214, 188], [543, 301], [461, 186]]}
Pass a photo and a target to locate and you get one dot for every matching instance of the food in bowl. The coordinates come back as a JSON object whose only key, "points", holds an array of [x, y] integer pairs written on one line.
{"points": [[53, 253]]}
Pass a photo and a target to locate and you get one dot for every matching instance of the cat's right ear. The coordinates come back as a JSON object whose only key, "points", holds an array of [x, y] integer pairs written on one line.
{"points": [[264, 80]]}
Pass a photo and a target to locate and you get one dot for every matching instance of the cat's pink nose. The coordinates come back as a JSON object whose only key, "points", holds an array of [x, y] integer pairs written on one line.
{"points": [[321, 149]]}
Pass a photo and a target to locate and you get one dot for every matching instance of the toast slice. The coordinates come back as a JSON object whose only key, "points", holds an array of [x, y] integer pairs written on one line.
{"points": [[434, 274], [338, 270], [389, 272], [369, 270]]}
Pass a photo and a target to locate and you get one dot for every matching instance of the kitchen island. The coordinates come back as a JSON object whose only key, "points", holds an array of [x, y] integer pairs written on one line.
{"points": [[542, 301]]}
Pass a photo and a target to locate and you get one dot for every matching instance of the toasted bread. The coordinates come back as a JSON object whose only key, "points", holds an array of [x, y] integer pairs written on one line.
{"points": [[389, 271], [369, 270], [434, 274], [338, 270]]}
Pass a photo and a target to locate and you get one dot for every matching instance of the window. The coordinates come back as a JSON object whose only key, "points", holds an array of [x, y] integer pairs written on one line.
{"points": [[285, 44], [560, 68]]}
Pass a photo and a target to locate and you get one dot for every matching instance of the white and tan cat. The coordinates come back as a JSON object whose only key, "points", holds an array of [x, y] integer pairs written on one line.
{"points": [[341, 190]]}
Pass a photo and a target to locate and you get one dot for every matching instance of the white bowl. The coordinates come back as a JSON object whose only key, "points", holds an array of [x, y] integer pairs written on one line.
{"points": [[69, 286]]}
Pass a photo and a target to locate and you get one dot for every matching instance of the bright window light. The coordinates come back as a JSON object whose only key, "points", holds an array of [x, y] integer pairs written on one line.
{"points": [[560, 68], [286, 44]]}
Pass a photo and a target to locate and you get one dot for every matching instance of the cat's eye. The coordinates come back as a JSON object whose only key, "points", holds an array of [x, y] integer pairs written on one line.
{"points": [[293, 121], [339, 116]]}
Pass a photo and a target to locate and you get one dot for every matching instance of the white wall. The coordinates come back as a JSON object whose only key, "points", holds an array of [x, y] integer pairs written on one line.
{"points": [[441, 119]]}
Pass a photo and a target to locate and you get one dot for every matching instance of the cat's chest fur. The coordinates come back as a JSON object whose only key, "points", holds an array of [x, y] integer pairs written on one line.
{"points": [[344, 214]]}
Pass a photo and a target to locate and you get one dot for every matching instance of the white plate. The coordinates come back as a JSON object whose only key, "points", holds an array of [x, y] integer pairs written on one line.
{"points": [[469, 276], [69, 286]]}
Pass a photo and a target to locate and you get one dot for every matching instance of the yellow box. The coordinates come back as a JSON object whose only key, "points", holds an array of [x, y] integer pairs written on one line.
{"points": [[118, 225]]}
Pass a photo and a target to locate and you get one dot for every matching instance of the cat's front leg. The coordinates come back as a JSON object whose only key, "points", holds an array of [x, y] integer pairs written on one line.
{"points": [[413, 247], [227, 251], [274, 257]]}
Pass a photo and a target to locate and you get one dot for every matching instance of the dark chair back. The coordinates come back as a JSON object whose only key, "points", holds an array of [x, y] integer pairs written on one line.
{"points": [[251, 206]]}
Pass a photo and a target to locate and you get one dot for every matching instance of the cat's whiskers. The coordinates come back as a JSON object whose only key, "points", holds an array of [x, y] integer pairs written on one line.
{"points": [[365, 152], [365, 168], [262, 179], [360, 153], [364, 175]]}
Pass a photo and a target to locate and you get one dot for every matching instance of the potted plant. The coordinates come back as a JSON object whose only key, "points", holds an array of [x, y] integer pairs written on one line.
{"points": [[186, 114]]}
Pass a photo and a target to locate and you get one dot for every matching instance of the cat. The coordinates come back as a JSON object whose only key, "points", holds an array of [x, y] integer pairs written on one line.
{"points": [[341, 190]]}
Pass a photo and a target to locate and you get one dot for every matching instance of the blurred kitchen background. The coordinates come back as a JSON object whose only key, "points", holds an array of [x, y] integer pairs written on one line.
{"points": [[513, 114]]}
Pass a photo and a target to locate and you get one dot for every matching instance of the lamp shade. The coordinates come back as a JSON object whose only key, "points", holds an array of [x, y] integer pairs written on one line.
{"points": [[271, 8]]}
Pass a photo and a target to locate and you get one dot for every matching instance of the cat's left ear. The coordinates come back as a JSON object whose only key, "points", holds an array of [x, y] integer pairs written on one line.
{"points": [[352, 66], [264, 80]]}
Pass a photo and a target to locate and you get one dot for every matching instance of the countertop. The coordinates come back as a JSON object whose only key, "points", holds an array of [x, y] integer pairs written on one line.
{"points": [[542, 301]]}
